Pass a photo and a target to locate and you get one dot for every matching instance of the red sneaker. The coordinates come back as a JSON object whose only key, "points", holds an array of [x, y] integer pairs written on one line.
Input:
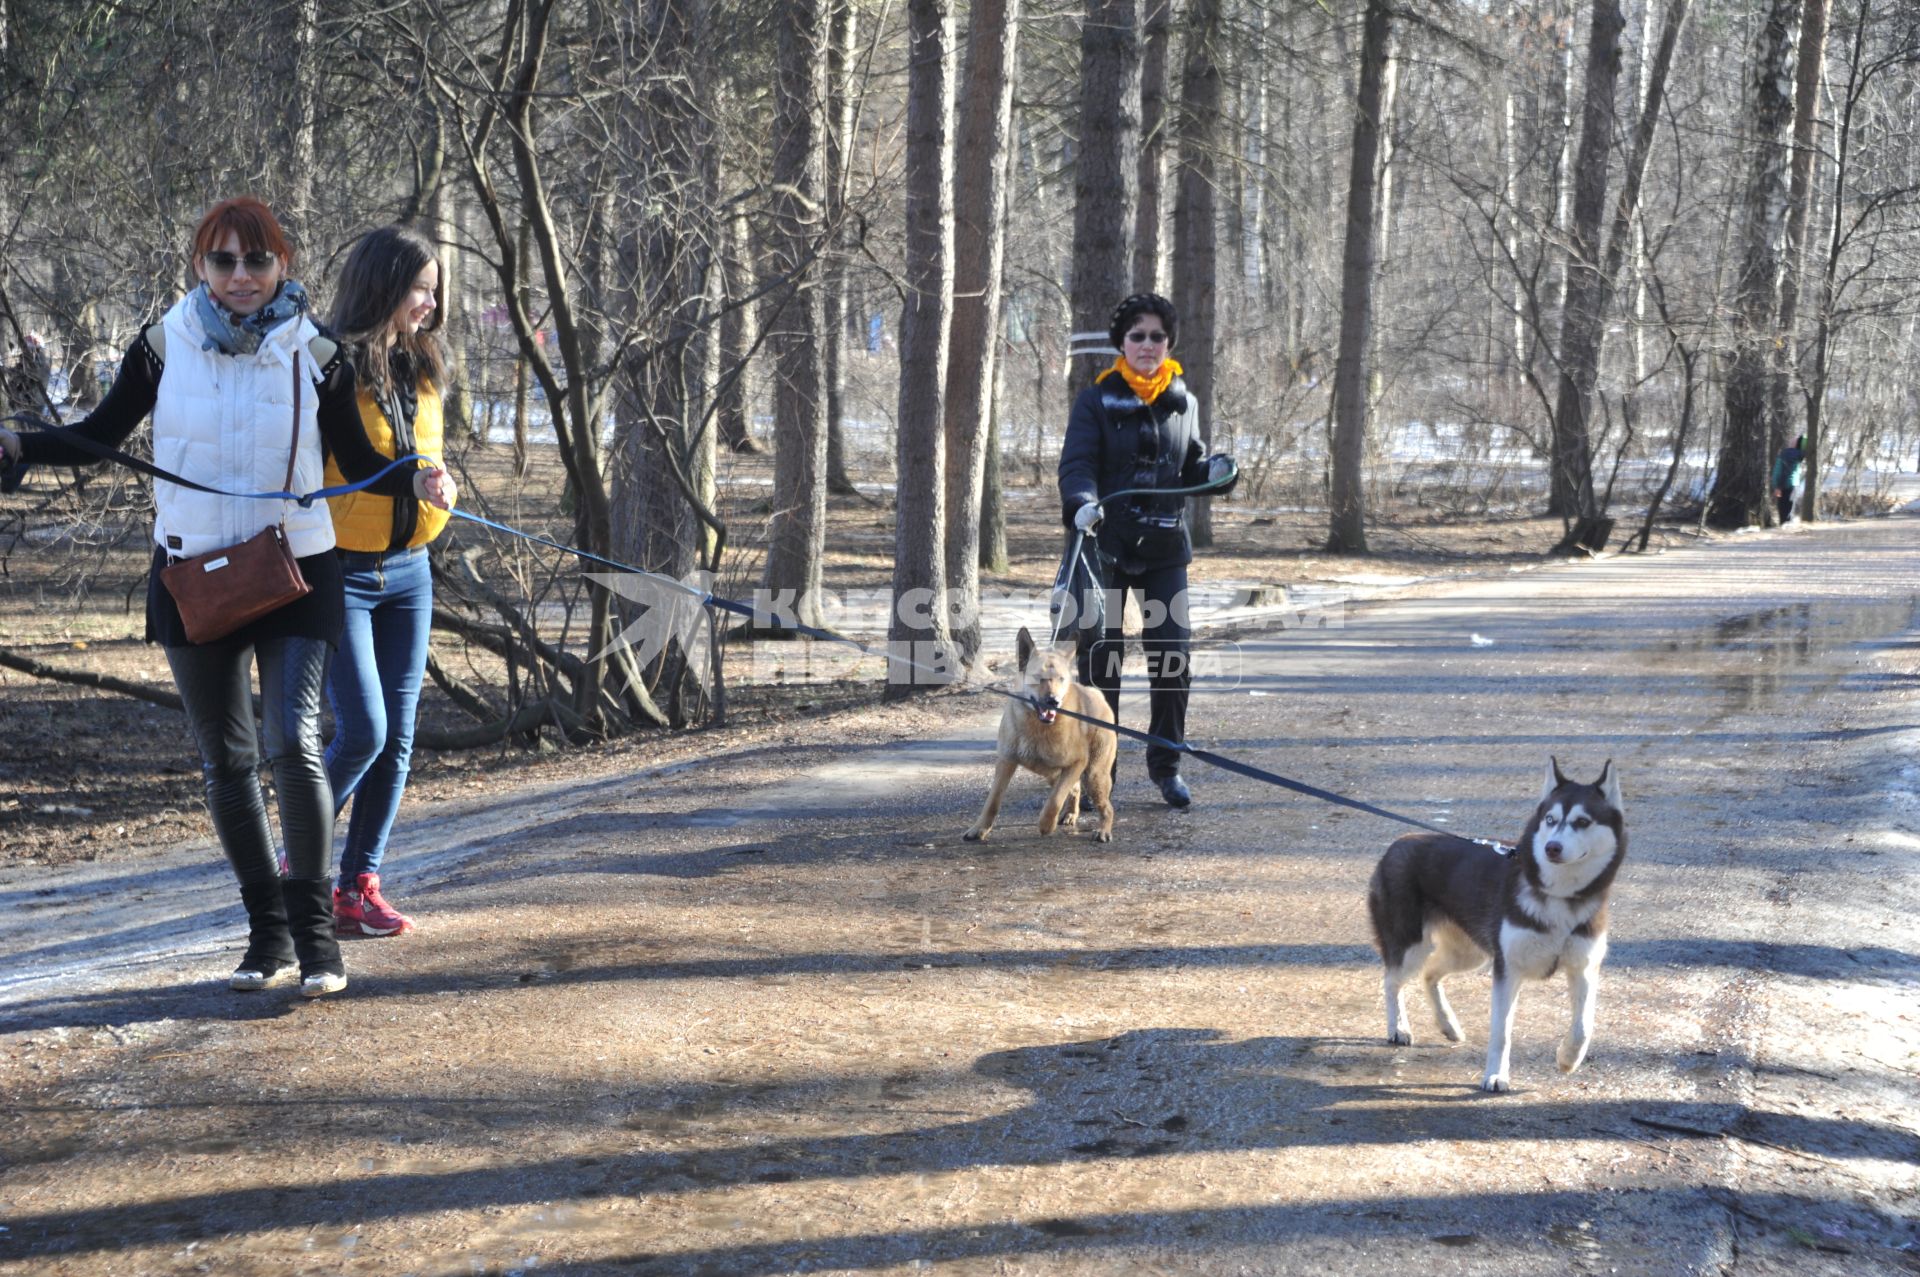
{"points": [[362, 911]]}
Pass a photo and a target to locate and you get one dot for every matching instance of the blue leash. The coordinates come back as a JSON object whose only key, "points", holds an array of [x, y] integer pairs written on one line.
{"points": [[709, 599]]}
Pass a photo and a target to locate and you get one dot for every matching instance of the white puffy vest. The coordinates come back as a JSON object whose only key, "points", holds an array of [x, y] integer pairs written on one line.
{"points": [[227, 421]]}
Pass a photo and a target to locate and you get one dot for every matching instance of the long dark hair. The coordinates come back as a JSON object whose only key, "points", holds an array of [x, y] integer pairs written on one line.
{"points": [[380, 270]]}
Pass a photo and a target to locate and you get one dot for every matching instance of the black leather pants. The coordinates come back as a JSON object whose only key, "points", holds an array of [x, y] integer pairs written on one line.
{"points": [[215, 681]]}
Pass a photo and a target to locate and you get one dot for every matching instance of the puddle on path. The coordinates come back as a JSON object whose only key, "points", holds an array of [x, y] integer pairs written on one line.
{"points": [[1762, 656]]}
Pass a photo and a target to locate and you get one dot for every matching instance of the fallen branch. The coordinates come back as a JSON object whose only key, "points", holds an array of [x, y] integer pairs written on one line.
{"points": [[88, 678]]}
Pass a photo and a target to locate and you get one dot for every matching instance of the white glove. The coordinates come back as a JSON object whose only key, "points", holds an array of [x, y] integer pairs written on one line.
{"points": [[9, 448], [1088, 516], [1220, 468]]}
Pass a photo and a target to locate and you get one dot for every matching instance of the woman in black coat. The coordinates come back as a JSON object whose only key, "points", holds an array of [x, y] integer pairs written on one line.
{"points": [[1137, 427]]}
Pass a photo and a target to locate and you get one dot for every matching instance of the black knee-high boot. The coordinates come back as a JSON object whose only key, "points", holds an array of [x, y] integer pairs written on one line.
{"points": [[270, 956], [310, 919]]}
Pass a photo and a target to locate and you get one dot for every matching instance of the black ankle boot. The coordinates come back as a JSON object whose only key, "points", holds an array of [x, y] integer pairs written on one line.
{"points": [[270, 959], [310, 919]]}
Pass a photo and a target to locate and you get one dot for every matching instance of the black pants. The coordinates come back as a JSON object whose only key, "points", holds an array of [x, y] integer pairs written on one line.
{"points": [[216, 682], [1786, 506], [1163, 608]]}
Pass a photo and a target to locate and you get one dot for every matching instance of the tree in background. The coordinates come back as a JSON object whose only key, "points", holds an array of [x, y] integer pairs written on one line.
{"points": [[980, 212], [1347, 528], [1194, 221], [1740, 495], [1106, 174], [918, 626]]}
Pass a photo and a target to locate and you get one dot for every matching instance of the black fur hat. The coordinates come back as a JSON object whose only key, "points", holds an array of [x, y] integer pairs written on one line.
{"points": [[1142, 304]]}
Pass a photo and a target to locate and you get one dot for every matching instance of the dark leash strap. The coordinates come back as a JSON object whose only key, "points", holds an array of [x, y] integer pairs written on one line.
{"points": [[738, 608], [1254, 773], [106, 452]]}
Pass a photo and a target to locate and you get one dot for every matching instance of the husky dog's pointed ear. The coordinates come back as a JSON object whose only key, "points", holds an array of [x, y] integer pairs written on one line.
{"points": [[1023, 647], [1609, 783], [1553, 780]]}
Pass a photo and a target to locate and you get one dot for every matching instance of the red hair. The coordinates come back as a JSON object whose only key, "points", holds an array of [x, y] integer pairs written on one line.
{"points": [[250, 219]]}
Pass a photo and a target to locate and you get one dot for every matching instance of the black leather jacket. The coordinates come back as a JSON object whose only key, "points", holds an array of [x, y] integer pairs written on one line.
{"points": [[1114, 443]]}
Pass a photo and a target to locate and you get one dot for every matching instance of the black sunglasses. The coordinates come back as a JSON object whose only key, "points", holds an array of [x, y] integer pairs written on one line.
{"points": [[221, 262]]}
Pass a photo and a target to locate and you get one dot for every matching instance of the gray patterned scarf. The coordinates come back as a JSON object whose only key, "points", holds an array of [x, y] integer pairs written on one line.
{"points": [[241, 334]]}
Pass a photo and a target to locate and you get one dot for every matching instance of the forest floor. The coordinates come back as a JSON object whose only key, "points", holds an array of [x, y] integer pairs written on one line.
{"points": [[86, 775]]}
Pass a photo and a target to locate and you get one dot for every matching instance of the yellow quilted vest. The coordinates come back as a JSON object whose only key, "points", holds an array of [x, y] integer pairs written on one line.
{"points": [[363, 520]]}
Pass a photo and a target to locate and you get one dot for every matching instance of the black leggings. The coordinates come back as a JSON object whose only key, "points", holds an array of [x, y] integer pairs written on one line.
{"points": [[216, 682]]}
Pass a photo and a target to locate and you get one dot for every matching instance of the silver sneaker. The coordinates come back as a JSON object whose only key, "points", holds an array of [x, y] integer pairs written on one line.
{"points": [[321, 983]]}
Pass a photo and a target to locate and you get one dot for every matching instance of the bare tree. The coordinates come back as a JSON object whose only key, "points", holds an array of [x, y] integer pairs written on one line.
{"points": [[843, 29], [1347, 530], [1740, 494], [1149, 240], [1806, 120], [796, 539], [1194, 282], [1571, 490], [1106, 183], [980, 167], [917, 630]]}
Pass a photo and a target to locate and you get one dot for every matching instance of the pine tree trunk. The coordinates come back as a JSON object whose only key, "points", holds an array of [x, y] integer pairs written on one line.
{"points": [[843, 29], [1741, 495], [1347, 530], [796, 539], [1149, 246], [737, 334], [1106, 184], [980, 170], [918, 631], [1806, 156], [1194, 280], [1584, 312]]}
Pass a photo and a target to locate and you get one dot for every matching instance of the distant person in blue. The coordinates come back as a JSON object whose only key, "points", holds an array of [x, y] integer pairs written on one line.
{"points": [[1786, 475]]}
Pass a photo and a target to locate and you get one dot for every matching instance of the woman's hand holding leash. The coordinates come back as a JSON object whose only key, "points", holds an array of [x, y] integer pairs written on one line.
{"points": [[436, 487]]}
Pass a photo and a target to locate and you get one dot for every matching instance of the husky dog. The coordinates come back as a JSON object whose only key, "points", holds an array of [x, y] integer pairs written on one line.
{"points": [[1033, 735], [1442, 904]]}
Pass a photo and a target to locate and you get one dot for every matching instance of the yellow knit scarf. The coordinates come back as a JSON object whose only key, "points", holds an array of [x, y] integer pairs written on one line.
{"points": [[1148, 388]]}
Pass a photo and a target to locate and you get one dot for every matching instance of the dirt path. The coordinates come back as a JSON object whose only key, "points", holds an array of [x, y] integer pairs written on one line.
{"points": [[768, 1013]]}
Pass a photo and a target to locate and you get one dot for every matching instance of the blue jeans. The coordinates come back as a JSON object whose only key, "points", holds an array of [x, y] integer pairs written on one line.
{"points": [[374, 688]]}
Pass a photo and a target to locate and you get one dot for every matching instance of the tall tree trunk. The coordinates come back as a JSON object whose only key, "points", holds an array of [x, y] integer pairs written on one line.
{"points": [[843, 32], [1830, 272], [1106, 184], [664, 261], [443, 218], [1806, 155], [297, 36], [1571, 491], [1347, 530], [1194, 279], [993, 514], [523, 260], [796, 539], [738, 332], [980, 170], [918, 631], [1740, 497], [1149, 247]]}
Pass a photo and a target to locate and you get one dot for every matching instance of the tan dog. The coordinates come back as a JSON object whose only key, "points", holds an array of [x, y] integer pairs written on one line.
{"points": [[1061, 749]]}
